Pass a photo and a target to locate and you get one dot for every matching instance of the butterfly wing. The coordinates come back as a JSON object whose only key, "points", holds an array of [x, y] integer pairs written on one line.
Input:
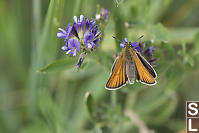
{"points": [[114, 64], [145, 74], [147, 65], [118, 76]]}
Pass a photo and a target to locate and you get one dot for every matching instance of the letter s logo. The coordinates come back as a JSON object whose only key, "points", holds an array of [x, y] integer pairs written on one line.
{"points": [[193, 107]]}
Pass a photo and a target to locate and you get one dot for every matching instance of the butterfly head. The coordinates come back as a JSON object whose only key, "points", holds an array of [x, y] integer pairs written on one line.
{"points": [[134, 45], [126, 44]]}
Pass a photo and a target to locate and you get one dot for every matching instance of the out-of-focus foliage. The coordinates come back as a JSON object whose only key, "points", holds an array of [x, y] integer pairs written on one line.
{"points": [[42, 92]]}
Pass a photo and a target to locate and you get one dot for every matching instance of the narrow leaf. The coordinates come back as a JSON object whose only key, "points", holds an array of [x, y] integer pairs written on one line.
{"points": [[90, 104], [118, 2], [59, 65]]}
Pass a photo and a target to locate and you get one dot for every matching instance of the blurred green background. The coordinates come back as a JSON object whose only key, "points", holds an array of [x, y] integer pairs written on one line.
{"points": [[53, 101]]}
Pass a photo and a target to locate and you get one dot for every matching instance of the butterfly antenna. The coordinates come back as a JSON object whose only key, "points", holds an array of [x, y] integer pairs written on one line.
{"points": [[117, 39], [140, 37]]}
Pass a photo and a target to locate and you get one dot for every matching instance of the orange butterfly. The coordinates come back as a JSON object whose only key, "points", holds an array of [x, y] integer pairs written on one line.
{"points": [[130, 65]]}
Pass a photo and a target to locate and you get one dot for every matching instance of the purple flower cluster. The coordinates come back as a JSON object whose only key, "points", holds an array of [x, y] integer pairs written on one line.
{"points": [[148, 53], [103, 15], [83, 34]]}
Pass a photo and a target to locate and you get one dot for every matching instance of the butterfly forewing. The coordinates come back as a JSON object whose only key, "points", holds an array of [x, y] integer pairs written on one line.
{"points": [[118, 76], [115, 62]]}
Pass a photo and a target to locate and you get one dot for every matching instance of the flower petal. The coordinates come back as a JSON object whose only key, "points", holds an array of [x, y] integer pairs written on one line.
{"points": [[95, 30], [69, 51], [104, 14], [97, 16], [74, 43], [74, 31], [64, 48], [97, 40], [149, 51], [69, 29], [139, 49], [75, 52], [97, 34], [75, 19], [122, 45], [92, 43], [89, 24], [78, 45], [62, 30], [81, 18], [88, 37], [89, 46], [61, 35], [126, 40], [134, 44], [70, 43]]}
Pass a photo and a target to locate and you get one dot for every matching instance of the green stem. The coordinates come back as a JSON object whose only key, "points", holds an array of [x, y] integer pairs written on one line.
{"points": [[77, 8], [35, 43], [120, 31], [36, 20]]}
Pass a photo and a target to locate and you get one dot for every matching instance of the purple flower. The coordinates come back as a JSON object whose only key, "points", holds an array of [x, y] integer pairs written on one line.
{"points": [[149, 51], [72, 46], [89, 24], [64, 34], [79, 25], [103, 15], [149, 54], [122, 44], [136, 46], [88, 40], [83, 34]]}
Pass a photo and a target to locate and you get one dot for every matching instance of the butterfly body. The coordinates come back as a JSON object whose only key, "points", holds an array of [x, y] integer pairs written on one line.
{"points": [[129, 66]]}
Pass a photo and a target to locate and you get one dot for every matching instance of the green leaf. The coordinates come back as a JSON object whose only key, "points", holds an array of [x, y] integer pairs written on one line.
{"points": [[48, 108], [196, 45], [160, 32], [117, 2], [59, 65], [90, 104], [47, 42], [178, 34]]}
